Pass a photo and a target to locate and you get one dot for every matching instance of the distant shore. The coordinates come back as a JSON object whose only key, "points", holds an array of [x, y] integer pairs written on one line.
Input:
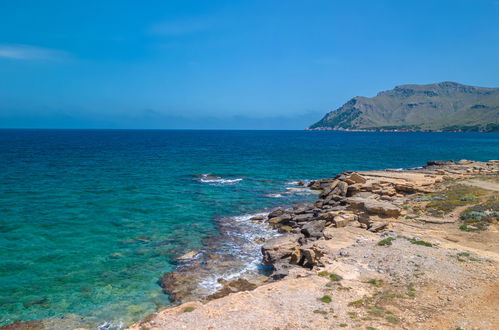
{"points": [[339, 129]]}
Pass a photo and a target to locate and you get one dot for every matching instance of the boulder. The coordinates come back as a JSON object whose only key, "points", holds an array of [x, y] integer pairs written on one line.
{"points": [[296, 256], [378, 227], [279, 248], [303, 217], [374, 206], [314, 229], [315, 185], [276, 213], [381, 208], [343, 220], [341, 189], [281, 270], [285, 229], [311, 257], [357, 178], [319, 204], [329, 232]]}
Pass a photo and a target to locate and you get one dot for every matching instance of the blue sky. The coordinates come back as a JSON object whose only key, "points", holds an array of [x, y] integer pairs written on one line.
{"points": [[229, 64]]}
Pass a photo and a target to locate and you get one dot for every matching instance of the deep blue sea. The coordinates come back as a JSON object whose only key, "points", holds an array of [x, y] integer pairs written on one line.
{"points": [[91, 219]]}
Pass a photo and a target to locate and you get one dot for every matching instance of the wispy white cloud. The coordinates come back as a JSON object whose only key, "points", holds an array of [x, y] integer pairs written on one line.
{"points": [[180, 27], [27, 52]]}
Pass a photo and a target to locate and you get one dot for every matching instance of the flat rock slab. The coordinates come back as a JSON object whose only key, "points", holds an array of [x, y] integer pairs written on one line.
{"points": [[374, 206]]}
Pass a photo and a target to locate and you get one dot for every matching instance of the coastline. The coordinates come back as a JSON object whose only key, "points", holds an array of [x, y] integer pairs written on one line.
{"points": [[400, 130], [367, 203], [308, 246]]}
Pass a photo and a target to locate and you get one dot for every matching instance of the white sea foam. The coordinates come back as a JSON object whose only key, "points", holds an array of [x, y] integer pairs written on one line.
{"points": [[245, 246], [297, 183], [299, 191], [216, 180], [275, 195], [111, 326]]}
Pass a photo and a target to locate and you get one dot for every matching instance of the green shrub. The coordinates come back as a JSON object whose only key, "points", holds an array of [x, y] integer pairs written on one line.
{"points": [[418, 242], [392, 319], [386, 241], [335, 277]]}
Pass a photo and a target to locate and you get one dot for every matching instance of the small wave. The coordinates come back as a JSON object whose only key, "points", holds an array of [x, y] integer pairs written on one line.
{"points": [[303, 183], [216, 180], [299, 191], [238, 248], [274, 195]]}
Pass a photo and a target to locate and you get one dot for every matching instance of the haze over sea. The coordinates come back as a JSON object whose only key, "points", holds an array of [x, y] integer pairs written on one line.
{"points": [[91, 219]]}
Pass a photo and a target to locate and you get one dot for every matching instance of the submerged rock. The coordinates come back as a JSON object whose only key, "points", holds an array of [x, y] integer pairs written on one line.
{"points": [[188, 255]]}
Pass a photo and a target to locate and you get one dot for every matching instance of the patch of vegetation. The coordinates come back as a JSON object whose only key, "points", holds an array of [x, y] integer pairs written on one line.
{"points": [[318, 311], [465, 228], [378, 311], [375, 282], [344, 288], [464, 257], [393, 319], [419, 242], [479, 217], [343, 325], [412, 216], [371, 328], [411, 290], [335, 277], [386, 242], [392, 295], [188, 309], [455, 196], [352, 315], [491, 178], [430, 197], [357, 303], [326, 299], [323, 273]]}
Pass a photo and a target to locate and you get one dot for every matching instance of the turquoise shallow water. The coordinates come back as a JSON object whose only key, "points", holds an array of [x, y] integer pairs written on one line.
{"points": [[90, 219]]}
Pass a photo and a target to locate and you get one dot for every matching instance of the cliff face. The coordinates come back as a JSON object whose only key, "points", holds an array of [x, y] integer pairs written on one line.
{"points": [[445, 106]]}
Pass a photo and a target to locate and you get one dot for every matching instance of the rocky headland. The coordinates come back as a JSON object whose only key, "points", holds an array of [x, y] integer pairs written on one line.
{"points": [[445, 106], [409, 249]]}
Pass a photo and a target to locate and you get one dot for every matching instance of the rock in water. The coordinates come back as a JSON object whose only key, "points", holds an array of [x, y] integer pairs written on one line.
{"points": [[188, 255]]}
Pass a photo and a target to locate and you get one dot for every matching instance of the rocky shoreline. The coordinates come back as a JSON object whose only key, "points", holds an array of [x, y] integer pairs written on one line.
{"points": [[370, 202], [371, 199], [333, 251]]}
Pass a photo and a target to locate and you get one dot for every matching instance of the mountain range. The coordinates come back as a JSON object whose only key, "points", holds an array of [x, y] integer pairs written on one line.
{"points": [[445, 106]]}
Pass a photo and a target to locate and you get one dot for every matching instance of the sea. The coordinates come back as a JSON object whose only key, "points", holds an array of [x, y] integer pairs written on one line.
{"points": [[91, 219]]}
